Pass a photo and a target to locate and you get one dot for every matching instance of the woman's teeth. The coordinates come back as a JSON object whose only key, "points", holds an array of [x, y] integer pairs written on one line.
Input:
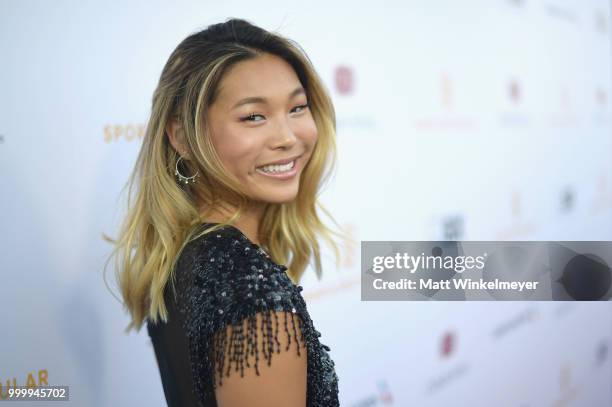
{"points": [[272, 169]]}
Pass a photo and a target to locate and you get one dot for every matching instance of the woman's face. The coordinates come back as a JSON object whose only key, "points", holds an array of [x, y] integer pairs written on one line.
{"points": [[260, 117]]}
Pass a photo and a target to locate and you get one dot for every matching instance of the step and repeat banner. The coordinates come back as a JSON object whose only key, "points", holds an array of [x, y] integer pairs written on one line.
{"points": [[484, 120]]}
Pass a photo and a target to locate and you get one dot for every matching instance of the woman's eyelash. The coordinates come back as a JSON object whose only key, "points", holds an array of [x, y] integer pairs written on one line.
{"points": [[253, 115]]}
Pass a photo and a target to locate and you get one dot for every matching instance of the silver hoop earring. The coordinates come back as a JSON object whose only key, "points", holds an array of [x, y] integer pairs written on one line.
{"points": [[180, 177]]}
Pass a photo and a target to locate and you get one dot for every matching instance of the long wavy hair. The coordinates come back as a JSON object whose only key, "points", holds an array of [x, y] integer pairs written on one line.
{"points": [[163, 216]]}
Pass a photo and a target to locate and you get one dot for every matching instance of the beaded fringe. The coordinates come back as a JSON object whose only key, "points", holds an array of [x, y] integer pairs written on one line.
{"points": [[238, 343]]}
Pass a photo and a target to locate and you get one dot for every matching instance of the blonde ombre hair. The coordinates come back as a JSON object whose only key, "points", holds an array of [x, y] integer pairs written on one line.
{"points": [[163, 216]]}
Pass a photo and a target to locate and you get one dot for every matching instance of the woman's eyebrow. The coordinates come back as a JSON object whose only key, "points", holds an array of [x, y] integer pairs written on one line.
{"points": [[260, 99]]}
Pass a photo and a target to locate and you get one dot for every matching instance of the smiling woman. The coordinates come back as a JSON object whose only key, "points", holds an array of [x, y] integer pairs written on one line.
{"points": [[244, 123]]}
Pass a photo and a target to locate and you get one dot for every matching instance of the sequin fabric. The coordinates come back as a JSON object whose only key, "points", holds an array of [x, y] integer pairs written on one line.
{"points": [[223, 281]]}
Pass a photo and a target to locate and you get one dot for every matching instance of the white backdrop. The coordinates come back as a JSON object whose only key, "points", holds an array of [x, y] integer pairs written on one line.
{"points": [[476, 120]]}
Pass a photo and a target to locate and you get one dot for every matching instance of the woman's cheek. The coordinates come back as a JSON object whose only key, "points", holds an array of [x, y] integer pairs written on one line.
{"points": [[311, 132]]}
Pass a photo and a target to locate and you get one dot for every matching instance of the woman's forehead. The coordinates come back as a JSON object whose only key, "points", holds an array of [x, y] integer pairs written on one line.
{"points": [[263, 80]]}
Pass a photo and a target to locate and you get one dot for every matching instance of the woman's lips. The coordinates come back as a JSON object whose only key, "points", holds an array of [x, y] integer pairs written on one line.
{"points": [[281, 162]]}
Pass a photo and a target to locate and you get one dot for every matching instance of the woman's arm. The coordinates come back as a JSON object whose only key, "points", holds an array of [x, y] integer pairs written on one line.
{"points": [[282, 383]]}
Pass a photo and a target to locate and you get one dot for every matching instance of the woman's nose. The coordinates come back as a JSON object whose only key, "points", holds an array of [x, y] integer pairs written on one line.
{"points": [[284, 134]]}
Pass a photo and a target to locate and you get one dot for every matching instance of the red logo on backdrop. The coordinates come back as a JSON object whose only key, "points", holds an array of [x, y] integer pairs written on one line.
{"points": [[344, 80], [448, 344], [515, 91]]}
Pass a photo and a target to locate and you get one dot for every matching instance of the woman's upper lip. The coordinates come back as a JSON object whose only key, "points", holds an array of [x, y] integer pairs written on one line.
{"points": [[284, 161]]}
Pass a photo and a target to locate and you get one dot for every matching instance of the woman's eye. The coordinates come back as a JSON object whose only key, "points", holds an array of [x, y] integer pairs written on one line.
{"points": [[252, 116], [301, 106]]}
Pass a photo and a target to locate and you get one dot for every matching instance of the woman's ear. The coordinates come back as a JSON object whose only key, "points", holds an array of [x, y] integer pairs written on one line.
{"points": [[176, 137]]}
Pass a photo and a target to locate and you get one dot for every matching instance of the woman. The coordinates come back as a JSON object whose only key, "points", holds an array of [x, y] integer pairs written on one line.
{"points": [[244, 123]]}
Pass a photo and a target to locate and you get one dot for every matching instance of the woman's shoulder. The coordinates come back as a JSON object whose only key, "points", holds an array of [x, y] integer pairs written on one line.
{"points": [[224, 250], [223, 243], [224, 270]]}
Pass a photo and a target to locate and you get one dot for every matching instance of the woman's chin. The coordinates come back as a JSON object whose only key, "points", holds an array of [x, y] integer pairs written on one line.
{"points": [[279, 195]]}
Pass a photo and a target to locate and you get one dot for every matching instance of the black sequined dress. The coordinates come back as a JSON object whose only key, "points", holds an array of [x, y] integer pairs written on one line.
{"points": [[223, 281]]}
